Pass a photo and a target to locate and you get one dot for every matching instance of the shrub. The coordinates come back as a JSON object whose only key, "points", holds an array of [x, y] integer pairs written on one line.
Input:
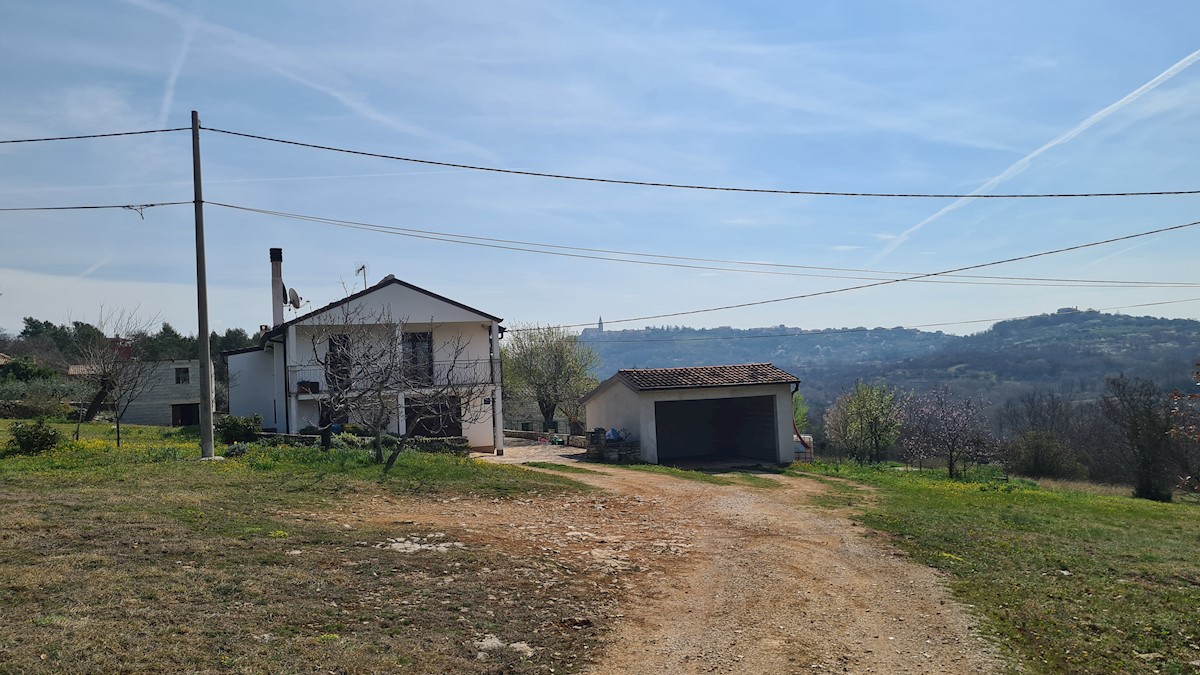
{"points": [[32, 438], [38, 398], [346, 440], [1038, 454], [454, 445], [234, 429], [356, 430], [237, 450], [310, 430]]}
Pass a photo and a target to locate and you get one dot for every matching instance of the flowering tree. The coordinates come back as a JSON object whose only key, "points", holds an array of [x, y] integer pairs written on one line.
{"points": [[865, 421], [941, 424], [1185, 414], [551, 367]]}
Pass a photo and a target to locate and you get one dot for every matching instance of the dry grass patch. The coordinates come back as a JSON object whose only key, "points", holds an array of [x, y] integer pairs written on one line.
{"points": [[177, 566]]}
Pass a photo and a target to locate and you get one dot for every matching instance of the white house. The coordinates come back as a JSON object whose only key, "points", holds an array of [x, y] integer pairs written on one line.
{"points": [[700, 413], [287, 378]]}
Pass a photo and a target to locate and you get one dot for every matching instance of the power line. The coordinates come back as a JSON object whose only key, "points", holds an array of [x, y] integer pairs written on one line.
{"points": [[520, 246], [129, 207], [109, 135], [839, 331], [684, 186], [893, 281]]}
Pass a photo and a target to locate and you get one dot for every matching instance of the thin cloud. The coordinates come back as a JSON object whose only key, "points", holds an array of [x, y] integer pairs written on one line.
{"points": [[292, 67], [189, 32], [96, 266], [1021, 164]]}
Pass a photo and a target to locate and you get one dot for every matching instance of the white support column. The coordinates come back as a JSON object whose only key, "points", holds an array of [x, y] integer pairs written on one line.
{"points": [[293, 417], [497, 403]]}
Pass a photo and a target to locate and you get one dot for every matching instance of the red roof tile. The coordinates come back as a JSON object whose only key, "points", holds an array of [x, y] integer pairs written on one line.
{"points": [[743, 374]]}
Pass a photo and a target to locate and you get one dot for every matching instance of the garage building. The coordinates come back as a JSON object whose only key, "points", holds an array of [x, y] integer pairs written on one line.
{"points": [[700, 413]]}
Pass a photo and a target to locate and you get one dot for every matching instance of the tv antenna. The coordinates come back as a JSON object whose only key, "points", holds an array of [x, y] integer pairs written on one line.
{"points": [[362, 269]]}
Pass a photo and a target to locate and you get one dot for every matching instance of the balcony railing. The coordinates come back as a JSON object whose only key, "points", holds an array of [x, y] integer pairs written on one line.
{"points": [[314, 380]]}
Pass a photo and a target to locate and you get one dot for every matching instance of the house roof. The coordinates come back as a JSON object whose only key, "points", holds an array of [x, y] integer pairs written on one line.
{"points": [[698, 377], [387, 281]]}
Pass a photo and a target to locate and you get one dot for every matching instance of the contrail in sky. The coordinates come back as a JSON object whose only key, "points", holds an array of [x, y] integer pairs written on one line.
{"points": [[1023, 163], [189, 32]]}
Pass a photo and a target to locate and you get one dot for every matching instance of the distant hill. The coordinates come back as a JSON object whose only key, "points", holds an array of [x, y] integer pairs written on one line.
{"points": [[1069, 351]]}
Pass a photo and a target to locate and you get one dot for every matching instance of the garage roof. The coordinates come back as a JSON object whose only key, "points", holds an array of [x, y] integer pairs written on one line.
{"points": [[705, 376]]}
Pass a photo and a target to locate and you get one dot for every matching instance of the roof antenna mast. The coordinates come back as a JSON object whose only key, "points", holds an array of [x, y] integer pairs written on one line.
{"points": [[362, 269]]}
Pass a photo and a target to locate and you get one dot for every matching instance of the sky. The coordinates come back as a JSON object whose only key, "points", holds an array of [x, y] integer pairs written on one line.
{"points": [[869, 96]]}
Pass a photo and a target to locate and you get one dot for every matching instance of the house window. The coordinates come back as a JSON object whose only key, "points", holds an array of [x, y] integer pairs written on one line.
{"points": [[183, 376], [418, 359]]}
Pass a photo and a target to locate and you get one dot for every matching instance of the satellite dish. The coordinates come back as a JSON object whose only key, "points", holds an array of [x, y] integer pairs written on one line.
{"points": [[293, 298]]}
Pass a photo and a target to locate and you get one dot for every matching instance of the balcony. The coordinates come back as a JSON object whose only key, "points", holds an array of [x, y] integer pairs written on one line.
{"points": [[311, 382]]}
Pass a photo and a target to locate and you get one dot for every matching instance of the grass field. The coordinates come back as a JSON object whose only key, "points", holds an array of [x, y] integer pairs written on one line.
{"points": [[1070, 581], [146, 560]]}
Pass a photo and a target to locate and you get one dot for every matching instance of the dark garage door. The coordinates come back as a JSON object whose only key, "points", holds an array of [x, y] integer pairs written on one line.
{"points": [[717, 428]]}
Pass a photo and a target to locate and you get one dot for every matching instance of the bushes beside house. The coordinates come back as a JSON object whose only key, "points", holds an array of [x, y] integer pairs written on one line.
{"points": [[234, 429]]}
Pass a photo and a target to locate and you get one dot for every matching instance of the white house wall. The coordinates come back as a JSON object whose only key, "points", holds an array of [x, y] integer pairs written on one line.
{"points": [[617, 407], [252, 385], [304, 364], [405, 306]]}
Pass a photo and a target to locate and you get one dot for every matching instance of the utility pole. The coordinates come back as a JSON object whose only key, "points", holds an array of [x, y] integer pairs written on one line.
{"points": [[206, 369]]}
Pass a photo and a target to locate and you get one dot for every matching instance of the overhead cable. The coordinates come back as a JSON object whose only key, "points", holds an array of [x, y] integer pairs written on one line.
{"points": [[129, 207], [685, 186], [81, 137], [840, 331], [522, 246], [887, 282]]}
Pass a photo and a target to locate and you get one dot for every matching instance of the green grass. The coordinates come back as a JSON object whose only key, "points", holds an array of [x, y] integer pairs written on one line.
{"points": [[565, 468], [685, 474], [1072, 582], [144, 559], [753, 479]]}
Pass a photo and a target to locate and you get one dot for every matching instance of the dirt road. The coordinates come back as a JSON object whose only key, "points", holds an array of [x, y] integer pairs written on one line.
{"points": [[772, 584], [734, 578]]}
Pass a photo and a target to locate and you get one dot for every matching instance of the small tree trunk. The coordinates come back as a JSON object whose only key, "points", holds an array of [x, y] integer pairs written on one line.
{"points": [[547, 414], [95, 404], [78, 421], [118, 431]]}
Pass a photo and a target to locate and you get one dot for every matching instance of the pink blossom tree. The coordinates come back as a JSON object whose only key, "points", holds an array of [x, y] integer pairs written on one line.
{"points": [[941, 424]]}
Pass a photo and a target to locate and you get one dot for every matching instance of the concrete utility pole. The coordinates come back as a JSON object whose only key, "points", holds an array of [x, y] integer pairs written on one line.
{"points": [[206, 369]]}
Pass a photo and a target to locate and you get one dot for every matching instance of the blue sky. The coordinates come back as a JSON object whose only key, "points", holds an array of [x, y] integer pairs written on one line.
{"points": [[843, 96]]}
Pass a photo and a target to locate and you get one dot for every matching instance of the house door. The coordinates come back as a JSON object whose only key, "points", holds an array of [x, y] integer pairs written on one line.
{"points": [[185, 414], [433, 417]]}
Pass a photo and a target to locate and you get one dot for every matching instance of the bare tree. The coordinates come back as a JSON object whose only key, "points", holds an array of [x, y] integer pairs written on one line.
{"points": [[551, 367], [378, 369], [1141, 414], [110, 363]]}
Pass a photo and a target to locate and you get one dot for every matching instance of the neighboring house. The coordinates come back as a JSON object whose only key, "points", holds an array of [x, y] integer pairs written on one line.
{"points": [[170, 397], [705, 412], [287, 378], [523, 415], [4, 358]]}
